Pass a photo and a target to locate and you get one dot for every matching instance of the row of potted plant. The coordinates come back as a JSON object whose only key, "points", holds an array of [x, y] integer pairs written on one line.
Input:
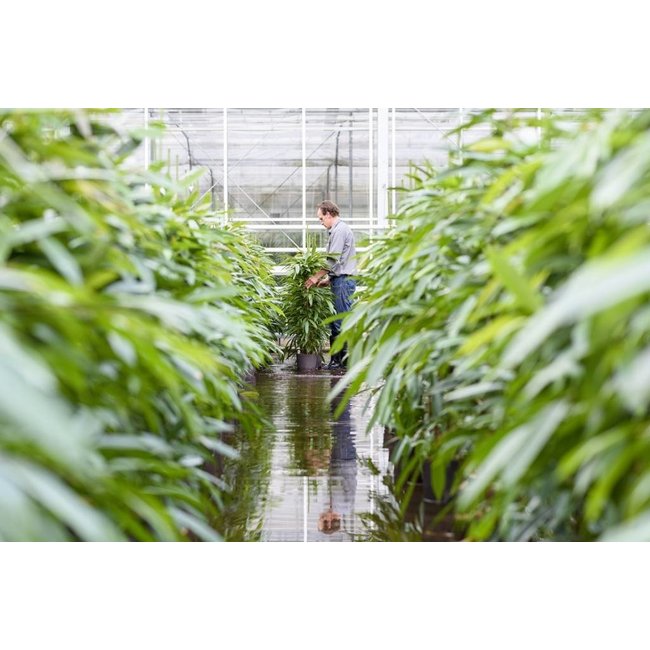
{"points": [[505, 327], [126, 327]]}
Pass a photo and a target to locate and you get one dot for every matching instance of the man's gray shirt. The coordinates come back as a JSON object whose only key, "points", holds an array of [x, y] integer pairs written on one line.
{"points": [[341, 242]]}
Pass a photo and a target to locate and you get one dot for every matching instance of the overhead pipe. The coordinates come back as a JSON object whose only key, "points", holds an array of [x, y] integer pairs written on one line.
{"points": [[189, 150]]}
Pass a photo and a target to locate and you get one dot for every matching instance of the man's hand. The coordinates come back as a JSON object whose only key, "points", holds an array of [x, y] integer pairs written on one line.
{"points": [[315, 279]]}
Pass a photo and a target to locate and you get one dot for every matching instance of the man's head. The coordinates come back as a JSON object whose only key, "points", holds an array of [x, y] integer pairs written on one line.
{"points": [[328, 213], [329, 522]]}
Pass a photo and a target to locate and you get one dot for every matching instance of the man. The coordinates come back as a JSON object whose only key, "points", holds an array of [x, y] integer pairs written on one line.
{"points": [[340, 253]]}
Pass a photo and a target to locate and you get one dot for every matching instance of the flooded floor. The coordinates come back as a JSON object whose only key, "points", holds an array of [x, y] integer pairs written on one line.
{"points": [[312, 477], [321, 474]]}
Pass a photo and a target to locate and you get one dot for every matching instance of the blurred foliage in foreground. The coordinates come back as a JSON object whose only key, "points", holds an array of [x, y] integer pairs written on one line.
{"points": [[126, 329], [507, 325]]}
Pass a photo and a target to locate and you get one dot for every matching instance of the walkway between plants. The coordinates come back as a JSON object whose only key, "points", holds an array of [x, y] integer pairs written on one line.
{"points": [[323, 473]]}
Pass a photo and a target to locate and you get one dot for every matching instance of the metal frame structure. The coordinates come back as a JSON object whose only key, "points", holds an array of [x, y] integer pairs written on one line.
{"points": [[269, 168]]}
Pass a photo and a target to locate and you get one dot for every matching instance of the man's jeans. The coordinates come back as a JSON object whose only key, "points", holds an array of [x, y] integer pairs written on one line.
{"points": [[343, 288]]}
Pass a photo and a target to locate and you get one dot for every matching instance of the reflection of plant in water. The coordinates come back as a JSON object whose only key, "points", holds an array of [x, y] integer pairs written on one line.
{"points": [[388, 524], [398, 517], [248, 477], [309, 427], [316, 454]]}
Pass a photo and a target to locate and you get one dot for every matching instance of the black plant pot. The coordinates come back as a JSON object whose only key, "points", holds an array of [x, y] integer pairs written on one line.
{"points": [[308, 362]]}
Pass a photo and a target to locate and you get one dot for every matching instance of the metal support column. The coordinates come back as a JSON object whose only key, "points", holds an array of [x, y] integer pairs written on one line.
{"points": [[460, 136], [371, 171], [147, 143], [382, 167], [225, 160], [394, 177], [350, 168], [305, 508], [304, 180]]}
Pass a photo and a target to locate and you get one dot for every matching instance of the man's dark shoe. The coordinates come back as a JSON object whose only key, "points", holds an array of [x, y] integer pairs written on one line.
{"points": [[334, 365]]}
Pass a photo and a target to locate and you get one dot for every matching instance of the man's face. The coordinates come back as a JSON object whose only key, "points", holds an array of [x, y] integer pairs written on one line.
{"points": [[329, 522], [325, 218]]}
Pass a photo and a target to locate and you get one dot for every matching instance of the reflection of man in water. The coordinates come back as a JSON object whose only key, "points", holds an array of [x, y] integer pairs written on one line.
{"points": [[342, 473]]}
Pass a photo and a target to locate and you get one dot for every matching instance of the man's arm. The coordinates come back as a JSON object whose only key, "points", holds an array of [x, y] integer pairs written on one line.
{"points": [[313, 280]]}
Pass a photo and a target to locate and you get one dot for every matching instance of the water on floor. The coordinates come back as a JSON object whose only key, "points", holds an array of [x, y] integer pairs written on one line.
{"points": [[317, 475]]}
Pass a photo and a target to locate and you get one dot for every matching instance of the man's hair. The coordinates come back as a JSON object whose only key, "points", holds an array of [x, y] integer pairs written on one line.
{"points": [[329, 206]]}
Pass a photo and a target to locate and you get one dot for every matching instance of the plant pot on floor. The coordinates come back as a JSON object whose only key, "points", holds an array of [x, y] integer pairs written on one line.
{"points": [[307, 362]]}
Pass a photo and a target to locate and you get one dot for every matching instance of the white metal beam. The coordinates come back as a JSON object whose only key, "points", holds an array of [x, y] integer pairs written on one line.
{"points": [[371, 171], [304, 180], [305, 508], [394, 178], [460, 136], [382, 167], [146, 139], [225, 159]]}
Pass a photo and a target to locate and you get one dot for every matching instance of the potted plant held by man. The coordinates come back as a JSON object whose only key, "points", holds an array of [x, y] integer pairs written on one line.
{"points": [[305, 310]]}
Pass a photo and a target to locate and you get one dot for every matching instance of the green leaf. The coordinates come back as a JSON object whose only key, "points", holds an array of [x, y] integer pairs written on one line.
{"points": [[382, 358], [622, 173], [45, 419], [123, 348], [591, 289], [142, 442], [514, 453], [219, 446], [62, 261], [191, 178], [488, 145], [522, 290], [198, 527], [496, 329], [472, 391], [56, 497], [615, 469], [634, 530], [37, 230], [632, 383]]}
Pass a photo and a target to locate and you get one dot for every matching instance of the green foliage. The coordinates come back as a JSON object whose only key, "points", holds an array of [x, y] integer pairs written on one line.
{"points": [[506, 323], [305, 309], [257, 296], [126, 328], [248, 475], [309, 430]]}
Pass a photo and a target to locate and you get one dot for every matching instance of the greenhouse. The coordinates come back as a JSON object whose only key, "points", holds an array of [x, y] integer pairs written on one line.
{"points": [[317, 325]]}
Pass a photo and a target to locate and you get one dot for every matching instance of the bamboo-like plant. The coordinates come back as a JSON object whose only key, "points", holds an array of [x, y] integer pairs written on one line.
{"points": [[305, 310], [125, 329], [508, 327]]}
